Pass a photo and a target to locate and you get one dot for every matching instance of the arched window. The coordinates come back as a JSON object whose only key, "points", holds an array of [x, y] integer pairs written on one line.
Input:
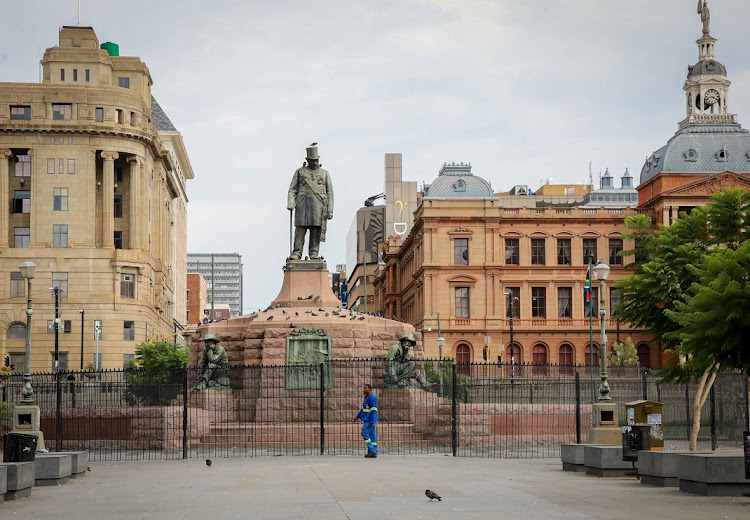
{"points": [[566, 354], [644, 355], [16, 331], [587, 355], [516, 352], [539, 359], [463, 358]]}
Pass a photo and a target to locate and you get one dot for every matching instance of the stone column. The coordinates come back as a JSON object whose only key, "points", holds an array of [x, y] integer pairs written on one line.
{"points": [[108, 199], [136, 166], [4, 196]]}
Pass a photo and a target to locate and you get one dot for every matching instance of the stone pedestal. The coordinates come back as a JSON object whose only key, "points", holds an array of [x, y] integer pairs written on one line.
{"points": [[20, 479], [307, 279], [713, 474], [51, 469], [218, 403], [606, 461], [26, 420], [572, 456], [79, 461], [605, 429]]}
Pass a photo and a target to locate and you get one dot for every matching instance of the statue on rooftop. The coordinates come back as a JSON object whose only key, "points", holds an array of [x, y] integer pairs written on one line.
{"points": [[311, 198], [705, 16]]}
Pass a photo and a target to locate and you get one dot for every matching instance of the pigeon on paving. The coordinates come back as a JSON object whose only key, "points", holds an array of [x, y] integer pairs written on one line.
{"points": [[208, 462], [431, 494]]}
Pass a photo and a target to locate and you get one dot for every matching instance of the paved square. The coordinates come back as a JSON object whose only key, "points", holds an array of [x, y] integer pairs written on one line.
{"points": [[359, 488]]}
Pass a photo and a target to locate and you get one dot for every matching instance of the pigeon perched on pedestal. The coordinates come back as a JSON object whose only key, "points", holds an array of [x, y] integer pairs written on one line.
{"points": [[431, 494]]}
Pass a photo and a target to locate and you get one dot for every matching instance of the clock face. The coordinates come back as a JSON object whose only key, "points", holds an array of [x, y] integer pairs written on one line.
{"points": [[711, 98]]}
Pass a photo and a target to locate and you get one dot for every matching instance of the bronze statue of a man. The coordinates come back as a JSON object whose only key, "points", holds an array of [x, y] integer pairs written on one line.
{"points": [[400, 368], [212, 367], [311, 196]]}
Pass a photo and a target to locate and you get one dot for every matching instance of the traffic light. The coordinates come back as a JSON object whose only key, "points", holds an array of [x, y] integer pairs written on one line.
{"points": [[499, 359], [486, 353], [7, 361]]}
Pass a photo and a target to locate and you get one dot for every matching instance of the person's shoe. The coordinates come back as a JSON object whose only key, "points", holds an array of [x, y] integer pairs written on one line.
{"points": [[367, 455], [370, 456]]}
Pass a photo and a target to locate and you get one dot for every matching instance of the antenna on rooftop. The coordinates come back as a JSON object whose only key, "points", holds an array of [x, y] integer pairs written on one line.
{"points": [[591, 177]]}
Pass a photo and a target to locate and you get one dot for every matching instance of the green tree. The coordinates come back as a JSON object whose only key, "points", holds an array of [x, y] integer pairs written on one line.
{"points": [[690, 292], [623, 354], [157, 373]]}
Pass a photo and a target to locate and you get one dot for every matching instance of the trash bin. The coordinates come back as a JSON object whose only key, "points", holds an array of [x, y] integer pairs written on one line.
{"points": [[19, 447], [647, 413], [635, 439]]}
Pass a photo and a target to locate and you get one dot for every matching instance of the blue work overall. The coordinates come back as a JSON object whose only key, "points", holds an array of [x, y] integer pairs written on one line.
{"points": [[369, 416]]}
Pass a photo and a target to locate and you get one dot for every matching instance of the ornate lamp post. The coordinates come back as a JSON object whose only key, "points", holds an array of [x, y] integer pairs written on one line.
{"points": [[27, 393], [601, 271], [510, 296], [441, 344]]}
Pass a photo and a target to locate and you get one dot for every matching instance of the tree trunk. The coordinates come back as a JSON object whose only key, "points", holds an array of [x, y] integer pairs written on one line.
{"points": [[704, 388]]}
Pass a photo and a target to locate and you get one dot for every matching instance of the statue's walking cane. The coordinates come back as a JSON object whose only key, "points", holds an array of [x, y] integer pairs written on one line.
{"points": [[291, 221]]}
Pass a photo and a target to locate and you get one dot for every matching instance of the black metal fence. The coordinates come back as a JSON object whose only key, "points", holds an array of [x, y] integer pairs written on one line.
{"points": [[474, 410]]}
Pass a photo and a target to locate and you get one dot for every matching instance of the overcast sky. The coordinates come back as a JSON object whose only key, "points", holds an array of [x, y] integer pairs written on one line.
{"points": [[523, 89]]}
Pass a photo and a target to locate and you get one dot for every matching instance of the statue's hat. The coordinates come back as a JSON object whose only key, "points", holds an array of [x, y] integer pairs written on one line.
{"points": [[312, 151], [410, 338], [209, 337]]}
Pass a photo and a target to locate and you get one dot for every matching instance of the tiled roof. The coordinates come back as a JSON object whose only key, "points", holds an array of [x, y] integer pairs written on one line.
{"points": [[160, 119]]}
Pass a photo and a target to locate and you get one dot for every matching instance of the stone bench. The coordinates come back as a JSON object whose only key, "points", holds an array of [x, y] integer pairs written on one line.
{"points": [[3, 482], [606, 461], [659, 468], [51, 469], [720, 473], [572, 456], [20, 479], [79, 461]]}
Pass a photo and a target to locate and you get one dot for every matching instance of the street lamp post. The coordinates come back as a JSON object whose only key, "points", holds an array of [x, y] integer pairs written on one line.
{"points": [[441, 344], [601, 271], [27, 393], [509, 294]]}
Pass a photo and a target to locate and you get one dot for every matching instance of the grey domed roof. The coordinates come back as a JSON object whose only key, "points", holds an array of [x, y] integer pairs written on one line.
{"points": [[699, 148], [456, 181], [707, 67]]}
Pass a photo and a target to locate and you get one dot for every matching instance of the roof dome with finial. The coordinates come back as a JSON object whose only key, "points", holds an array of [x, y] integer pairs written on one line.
{"points": [[456, 181]]}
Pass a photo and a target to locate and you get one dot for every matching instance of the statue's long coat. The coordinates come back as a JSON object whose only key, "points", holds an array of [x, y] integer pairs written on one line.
{"points": [[311, 191]]}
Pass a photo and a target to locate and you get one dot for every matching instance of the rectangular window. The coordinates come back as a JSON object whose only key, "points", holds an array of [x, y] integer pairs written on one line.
{"points": [[594, 309], [513, 302], [462, 302], [127, 359], [99, 114], [62, 74], [461, 251], [118, 239], [88, 76], [60, 199], [537, 251], [17, 285], [118, 174], [640, 253], [21, 202], [118, 206], [511, 251], [538, 302], [62, 112], [563, 251], [20, 113], [60, 280], [23, 166], [614, 301], [589, 250], [59, 235], [615, 246], [128, 331], [21, 236], [62, 361], [71, 166], [132, 118], [50, 326], [67, 326], [51, 165], [127, 285], [123, 82], [75, 74], [564, 297], [118, 113], [61, 163]]}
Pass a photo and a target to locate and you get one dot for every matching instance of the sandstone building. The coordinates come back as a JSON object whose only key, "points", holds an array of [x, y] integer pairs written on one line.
{"points": [[92, 190]]}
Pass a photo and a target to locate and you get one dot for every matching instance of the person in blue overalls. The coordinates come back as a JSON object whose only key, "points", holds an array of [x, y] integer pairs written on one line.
{"points": [[369, 417]]}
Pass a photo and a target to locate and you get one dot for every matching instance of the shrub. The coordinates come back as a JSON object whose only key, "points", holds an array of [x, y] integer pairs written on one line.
{"points": [[156, 374]]}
